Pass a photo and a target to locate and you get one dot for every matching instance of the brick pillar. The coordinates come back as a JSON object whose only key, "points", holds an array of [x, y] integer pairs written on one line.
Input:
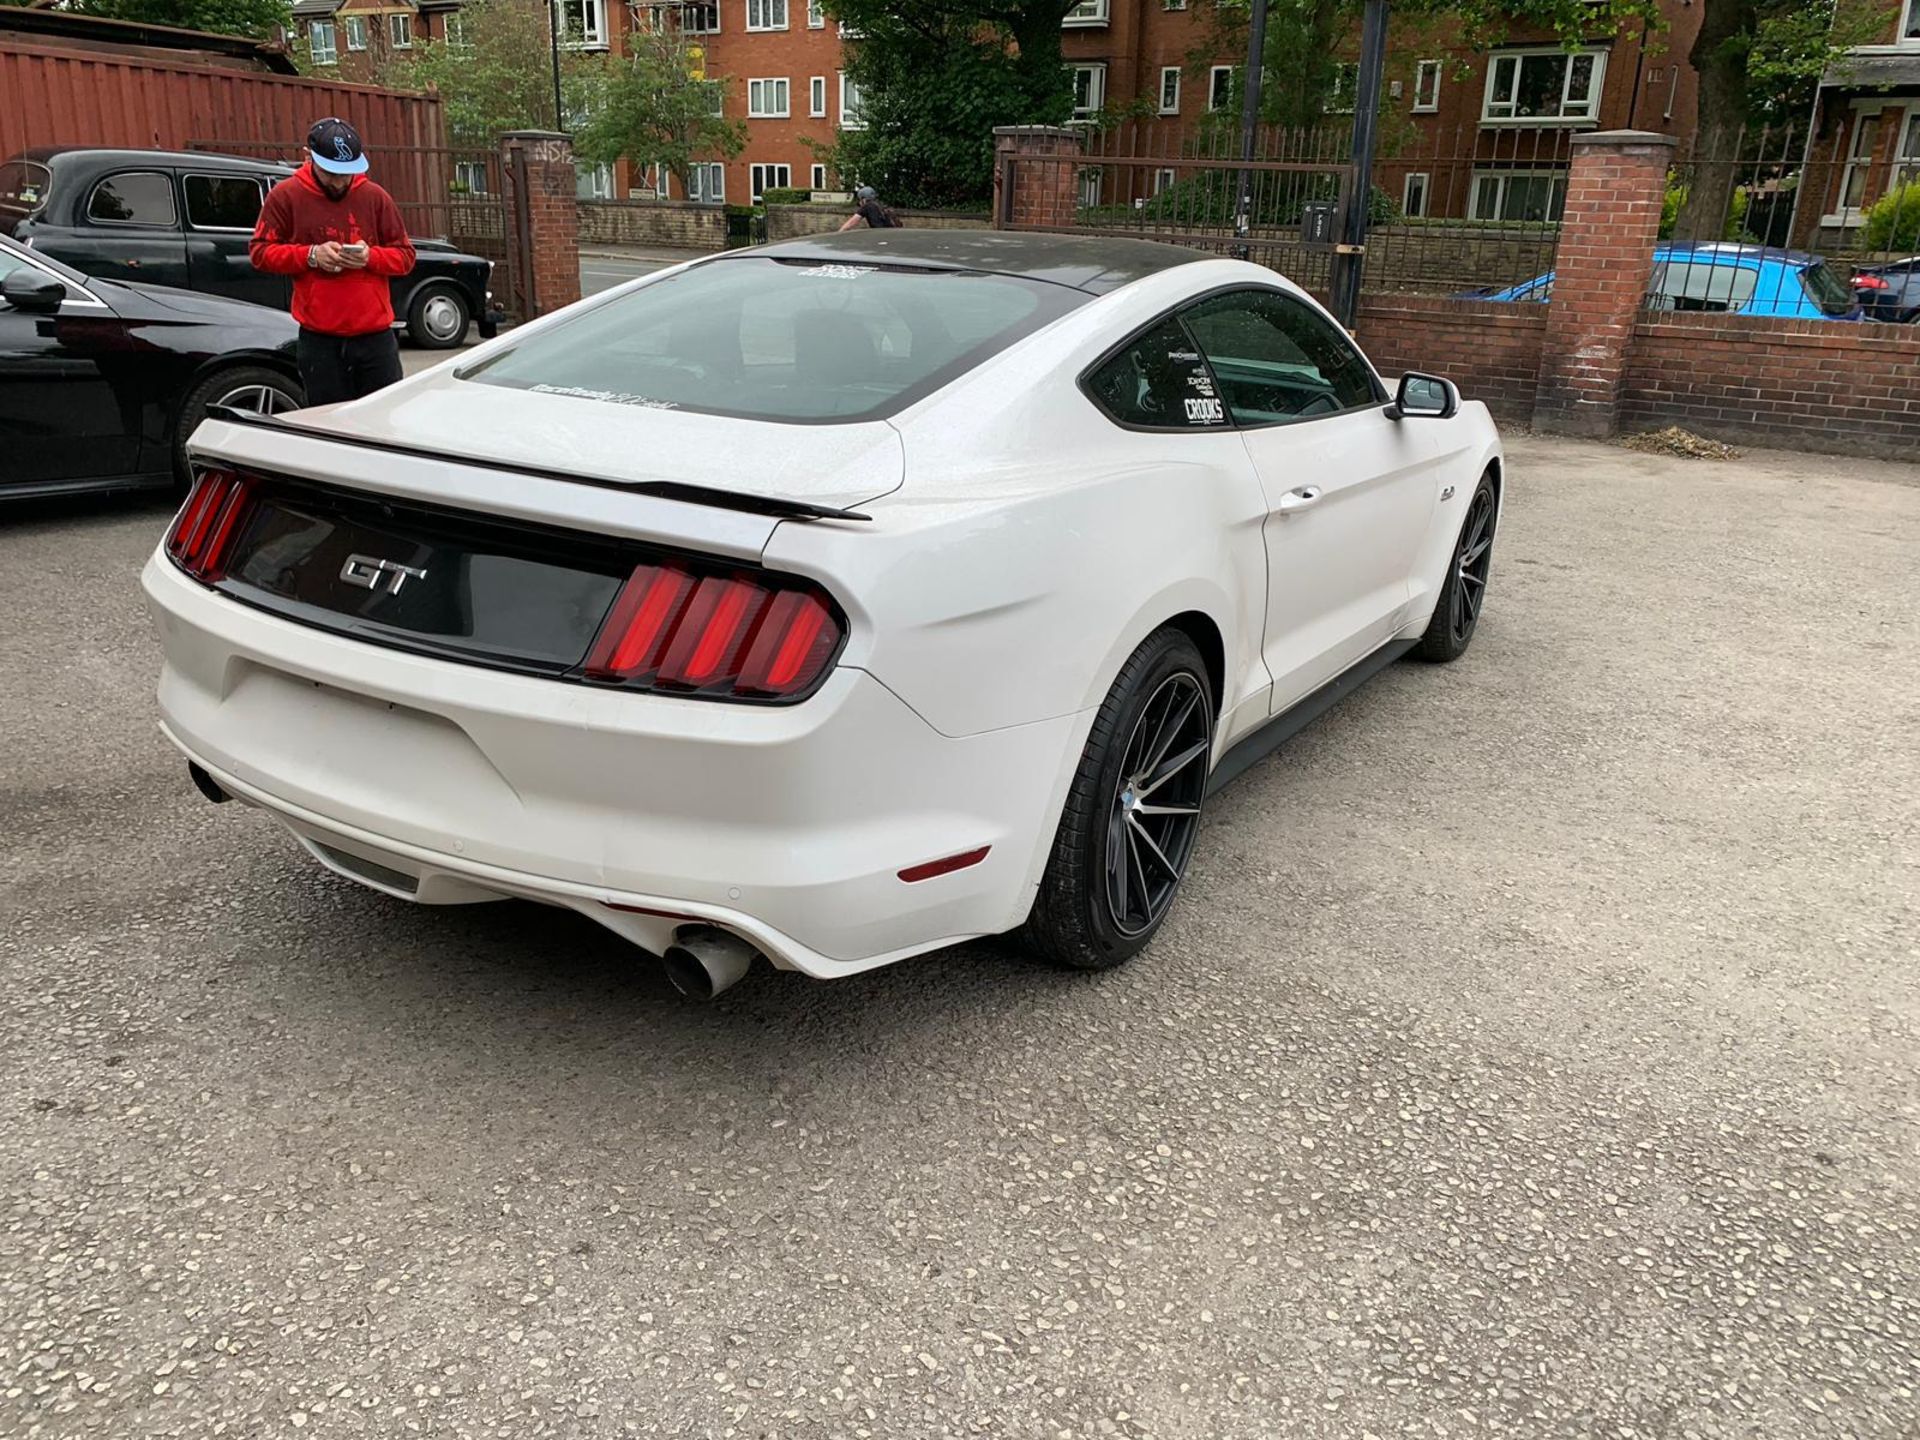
{"points": [[1036, 177], [1605, 259], [543, 225]]}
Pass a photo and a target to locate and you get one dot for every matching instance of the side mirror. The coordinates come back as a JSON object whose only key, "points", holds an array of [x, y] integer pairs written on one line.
{"points": [[33, 292], [1424, 397]]}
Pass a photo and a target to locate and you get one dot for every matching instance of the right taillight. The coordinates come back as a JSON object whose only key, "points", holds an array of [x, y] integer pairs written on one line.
{"points": [[718, 634], [207, 523], [1870, 282]]}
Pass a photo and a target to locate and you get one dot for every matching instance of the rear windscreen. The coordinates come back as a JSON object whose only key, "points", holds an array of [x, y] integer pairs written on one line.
{"points": [[24, 186], [772, 339]]}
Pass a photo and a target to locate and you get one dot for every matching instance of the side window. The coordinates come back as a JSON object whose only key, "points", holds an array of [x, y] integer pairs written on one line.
{"points": [[1159, 381], [138, 197], [222, 202], [1277, 361]]}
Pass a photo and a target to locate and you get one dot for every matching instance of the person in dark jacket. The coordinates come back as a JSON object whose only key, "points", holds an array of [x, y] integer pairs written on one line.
{"points": [[341, 237], [870, 212]]}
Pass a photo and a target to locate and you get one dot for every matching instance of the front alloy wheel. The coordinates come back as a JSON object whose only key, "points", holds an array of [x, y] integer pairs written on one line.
{"points": [[1131, 817], [1463, 592]]}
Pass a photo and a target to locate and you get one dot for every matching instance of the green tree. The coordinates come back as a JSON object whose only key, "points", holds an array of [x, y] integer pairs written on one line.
{"points": [[653, 108], [257, 18], [499, 78]]}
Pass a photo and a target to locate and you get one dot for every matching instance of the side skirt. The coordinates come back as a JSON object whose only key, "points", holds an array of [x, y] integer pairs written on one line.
{"points": [[1296, 717]]}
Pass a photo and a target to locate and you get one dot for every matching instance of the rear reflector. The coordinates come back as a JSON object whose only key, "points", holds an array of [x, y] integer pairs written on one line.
{"points": [[203, 532], [724, 634], [944, 867]]}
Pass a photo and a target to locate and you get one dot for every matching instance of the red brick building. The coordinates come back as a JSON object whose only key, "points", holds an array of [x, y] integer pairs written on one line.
{"points": [[355, 39]]}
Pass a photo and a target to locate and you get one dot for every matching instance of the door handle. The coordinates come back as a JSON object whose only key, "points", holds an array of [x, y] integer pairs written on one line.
{"points": [[1299, 499]]}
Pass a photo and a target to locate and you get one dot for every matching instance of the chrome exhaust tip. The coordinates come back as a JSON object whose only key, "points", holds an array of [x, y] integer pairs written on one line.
{"points": [[703, 961]]}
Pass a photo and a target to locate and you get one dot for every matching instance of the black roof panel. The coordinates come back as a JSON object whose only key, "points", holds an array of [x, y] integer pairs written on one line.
{"points": [[1095, 264]]}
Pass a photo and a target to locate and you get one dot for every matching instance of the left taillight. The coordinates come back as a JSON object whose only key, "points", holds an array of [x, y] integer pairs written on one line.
{"points": [[722, 634], [204, 530]]}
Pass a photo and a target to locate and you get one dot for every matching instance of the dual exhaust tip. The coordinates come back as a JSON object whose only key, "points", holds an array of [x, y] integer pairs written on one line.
{"points": [[701, 962]]}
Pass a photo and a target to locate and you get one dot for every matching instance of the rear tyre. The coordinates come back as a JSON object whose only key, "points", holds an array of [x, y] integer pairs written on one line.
{"points": [[437, 317], [1132, 814], [253, 388], [1457, 611]]}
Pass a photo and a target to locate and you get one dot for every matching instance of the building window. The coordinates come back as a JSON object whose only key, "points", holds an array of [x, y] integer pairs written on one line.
{"points": [[1544, 85], [817, 97], [584, 24], [1346, 88], [707, 183], [769, 177], [1220, 88], [1090, 186], [1861, 146], [321, 44], [1164, 180], [1910, 24], [716, 97], [593, 182], [849, 32], [1089, 90], [819, 177], [356, 32], [816, 15], [1413, 196], [700, 19], [767, 99], [851, 117], [766, 14], [1426, 87], [1170, 90], [470, 176], [1531, 195], [1173, 4], [399, 32], [1087, 12], [457, 31]]}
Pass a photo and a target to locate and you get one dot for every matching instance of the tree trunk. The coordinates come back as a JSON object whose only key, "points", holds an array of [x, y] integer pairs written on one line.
{"points": [[1719, 57]]}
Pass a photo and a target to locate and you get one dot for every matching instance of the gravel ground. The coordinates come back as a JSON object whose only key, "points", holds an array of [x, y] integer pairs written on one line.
{"points": [[1533, 1053]]}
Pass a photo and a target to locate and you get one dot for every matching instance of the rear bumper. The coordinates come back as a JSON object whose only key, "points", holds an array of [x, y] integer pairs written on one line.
{"points": [[788, 825]]}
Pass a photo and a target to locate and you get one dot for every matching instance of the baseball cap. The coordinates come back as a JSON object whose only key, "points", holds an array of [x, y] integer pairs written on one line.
{"points": [[335, 147]]}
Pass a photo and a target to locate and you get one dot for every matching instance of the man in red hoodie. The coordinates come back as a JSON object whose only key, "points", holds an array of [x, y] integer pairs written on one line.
{"points": [[341, 237]]}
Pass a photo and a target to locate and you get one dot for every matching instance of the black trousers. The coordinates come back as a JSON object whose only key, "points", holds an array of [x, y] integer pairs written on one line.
{"points": [[345, 367]]}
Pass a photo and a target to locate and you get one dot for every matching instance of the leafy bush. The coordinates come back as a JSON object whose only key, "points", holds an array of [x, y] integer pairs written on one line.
{"points": [[1893, 222], [783, 195]]}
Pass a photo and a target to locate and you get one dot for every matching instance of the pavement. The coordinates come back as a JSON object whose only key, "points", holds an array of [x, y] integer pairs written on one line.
{"points": [[1533, 1053]]}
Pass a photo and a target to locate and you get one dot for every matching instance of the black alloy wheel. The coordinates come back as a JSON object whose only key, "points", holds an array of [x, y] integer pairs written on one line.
{"points": [[1156, 805]]}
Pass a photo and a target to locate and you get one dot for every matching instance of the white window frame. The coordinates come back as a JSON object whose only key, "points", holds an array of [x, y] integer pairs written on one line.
{"points": [[1096, 73], [816, 15], [848, 32], [718, 90], [329, 54], [593, 24], [712, 8], [1165, 72], [350, 24], [1422, 71], [1085, 14], [707, 182], [817, 97], [770, 98], [850, 116], [760, 178], [1502, 177], [772, 14], [456, 31], [1909, 20], [818, 179], [1092, 182], [1595, 90], [1165, 179], [400, 29], [1426, 194], [1844, 214], [465, 172], [1173, 4], [1214, 103], [593, 182]]}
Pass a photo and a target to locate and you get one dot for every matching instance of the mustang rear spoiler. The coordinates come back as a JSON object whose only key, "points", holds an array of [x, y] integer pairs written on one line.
{"points": [[663, 489]]}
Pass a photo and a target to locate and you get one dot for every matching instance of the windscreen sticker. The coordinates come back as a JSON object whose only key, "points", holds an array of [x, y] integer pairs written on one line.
{"points": [[1206, 412], [838, 272], [610, 397]]}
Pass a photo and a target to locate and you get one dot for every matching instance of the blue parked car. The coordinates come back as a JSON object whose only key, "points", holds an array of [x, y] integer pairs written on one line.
{"points": [[1743, 279]]}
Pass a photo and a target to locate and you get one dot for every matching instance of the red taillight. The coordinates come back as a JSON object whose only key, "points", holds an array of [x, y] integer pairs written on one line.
{"points": [[728, 634], [1870, 282], [207, 523]]}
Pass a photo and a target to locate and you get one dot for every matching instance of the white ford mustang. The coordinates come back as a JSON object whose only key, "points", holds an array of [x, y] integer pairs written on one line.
{"points": [[831, 601]]}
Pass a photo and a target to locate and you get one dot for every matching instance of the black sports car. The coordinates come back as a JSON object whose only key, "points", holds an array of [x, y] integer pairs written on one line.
{"points": [[101, 382], [184, 219], [1890, 292]]}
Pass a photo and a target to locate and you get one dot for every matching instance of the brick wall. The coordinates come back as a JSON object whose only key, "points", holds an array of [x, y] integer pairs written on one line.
{"points": [[553, 214], [1805, 384], [653, 222], [1490, 350], [1034, 180], [790, 222]]}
